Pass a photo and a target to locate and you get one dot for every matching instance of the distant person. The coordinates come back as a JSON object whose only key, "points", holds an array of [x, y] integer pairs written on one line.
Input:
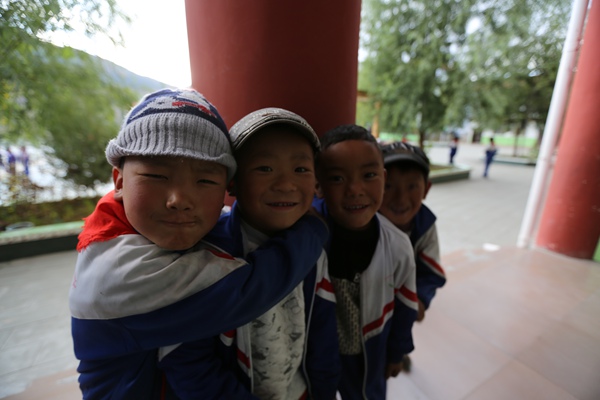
{"points": [[490, 152], [11, 162], [453, 148], [24, 157], [371, 264], [145, 280]]}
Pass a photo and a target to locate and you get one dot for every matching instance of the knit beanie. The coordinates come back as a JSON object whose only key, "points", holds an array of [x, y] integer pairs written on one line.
{"points": [[174, 122]]}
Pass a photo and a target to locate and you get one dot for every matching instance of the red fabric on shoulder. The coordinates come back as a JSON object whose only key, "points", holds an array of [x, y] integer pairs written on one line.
{"points": [[106, 222]]}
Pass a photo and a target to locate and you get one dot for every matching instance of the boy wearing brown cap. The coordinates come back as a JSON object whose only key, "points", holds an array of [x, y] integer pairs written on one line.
{"points": [[144, 278], [406, 186]]}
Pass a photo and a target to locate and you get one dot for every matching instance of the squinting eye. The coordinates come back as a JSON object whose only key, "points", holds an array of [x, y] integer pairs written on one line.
{"points": [[207, 181], [154, 176], [264, 168]]}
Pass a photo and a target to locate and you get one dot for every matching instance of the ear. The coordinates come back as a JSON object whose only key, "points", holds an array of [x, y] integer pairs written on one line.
{"points": [[231, 188], [319, 190], [117, 175], [427, 187]]}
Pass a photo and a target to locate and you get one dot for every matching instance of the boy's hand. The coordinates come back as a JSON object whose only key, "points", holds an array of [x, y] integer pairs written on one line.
{"points": [[421, 311], [392, 370]]}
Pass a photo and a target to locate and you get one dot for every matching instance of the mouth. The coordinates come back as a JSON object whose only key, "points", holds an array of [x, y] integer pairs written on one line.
{"points": [[355, 207], [282, 204], [180, 223], [403, 210]]}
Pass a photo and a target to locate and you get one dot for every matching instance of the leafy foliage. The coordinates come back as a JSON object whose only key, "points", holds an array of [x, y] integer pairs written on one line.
{"points": [[58, 96], [434, 64], [411, 61], [511, 62]]}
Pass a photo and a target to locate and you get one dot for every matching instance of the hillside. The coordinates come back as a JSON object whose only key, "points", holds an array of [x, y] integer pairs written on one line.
{"points": [[125, 77]]}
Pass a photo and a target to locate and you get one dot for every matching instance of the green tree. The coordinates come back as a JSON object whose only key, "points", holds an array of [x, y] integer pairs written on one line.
{"points": [[57, 96], [510, 63], [411, 65], [433, 64]]}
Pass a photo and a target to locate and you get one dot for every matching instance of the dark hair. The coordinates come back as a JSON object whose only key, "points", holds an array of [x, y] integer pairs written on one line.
{"points": [[342, 133]]}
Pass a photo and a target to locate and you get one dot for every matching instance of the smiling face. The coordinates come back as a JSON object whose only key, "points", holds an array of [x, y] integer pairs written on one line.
{"points": [[405, 190], [172, 201], [351, 178], [275, 183]]}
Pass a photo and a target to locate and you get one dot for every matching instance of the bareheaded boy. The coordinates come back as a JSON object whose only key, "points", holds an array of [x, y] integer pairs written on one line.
{"points": [[144, 278], [289, 352], [406, 186], [371, 263]]}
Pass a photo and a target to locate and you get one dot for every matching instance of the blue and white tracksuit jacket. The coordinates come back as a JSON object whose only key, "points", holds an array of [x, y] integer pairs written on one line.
{"points": [[223, 365], [424, 237], [129, 298], [388, 311]]}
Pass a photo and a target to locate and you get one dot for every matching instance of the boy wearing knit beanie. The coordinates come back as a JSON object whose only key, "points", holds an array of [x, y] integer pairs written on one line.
{"points": [[145, 280]]}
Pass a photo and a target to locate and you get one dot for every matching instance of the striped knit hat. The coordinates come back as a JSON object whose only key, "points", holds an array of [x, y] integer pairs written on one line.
{"points": [[174, 122]]}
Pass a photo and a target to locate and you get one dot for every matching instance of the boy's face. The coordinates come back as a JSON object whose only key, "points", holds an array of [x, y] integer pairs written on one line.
{"points": [[351, 178], [275, 183], [172, 201], [405, 190]]}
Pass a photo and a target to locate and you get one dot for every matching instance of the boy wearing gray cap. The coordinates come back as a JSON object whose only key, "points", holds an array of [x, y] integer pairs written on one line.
{"points": [[145, 280], [289, 352]]}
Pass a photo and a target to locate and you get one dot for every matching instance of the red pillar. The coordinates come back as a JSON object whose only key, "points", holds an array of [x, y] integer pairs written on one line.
{"points": [[301, 55], [570, 222]]}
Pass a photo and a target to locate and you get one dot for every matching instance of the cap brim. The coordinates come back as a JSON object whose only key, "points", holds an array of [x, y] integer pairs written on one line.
{"points": [[253, 122], [396, 157]]}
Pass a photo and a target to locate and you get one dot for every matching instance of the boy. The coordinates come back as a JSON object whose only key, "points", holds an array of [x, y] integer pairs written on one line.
{"points": [[371, 263], [289, 352], [144, 279], [406, 186]]}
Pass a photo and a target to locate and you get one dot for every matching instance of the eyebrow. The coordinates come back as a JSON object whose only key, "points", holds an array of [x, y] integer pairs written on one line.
{"points": [[210, 168], [373, 164]]}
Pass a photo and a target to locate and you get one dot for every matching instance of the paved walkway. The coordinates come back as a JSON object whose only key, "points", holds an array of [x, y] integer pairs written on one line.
{"points": [[476, 217]]}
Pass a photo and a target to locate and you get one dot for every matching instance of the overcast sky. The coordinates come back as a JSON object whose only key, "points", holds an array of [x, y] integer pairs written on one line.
{"points": [[156, 43]]}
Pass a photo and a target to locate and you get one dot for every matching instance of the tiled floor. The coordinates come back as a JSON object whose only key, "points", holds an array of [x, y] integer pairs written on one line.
{"points": [[509, 324]]}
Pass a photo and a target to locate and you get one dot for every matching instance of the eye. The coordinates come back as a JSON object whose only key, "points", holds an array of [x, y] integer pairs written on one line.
{"points": [[207, 182], [335, 179], [302, 169], [370, 175], [153, 176], [264, 168]]}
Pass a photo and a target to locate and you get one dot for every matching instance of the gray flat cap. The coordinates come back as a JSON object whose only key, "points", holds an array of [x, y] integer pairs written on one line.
{"points": [[255, 121]]}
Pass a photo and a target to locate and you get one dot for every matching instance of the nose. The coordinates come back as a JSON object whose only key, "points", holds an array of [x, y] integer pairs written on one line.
{"points": [[284, 183], [354, 188], [398, 196], [178, 199]]}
